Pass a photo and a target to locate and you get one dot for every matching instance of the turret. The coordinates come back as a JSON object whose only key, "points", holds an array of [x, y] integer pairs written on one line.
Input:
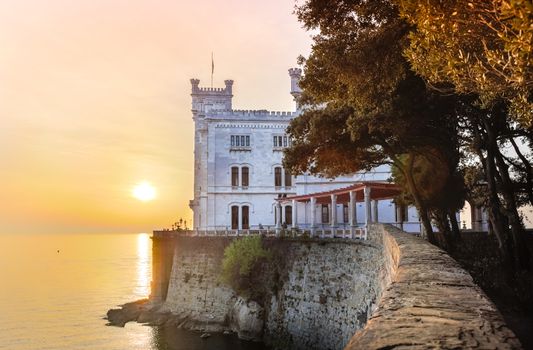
{"points": [[208, 99], [295, 74], [195, 83], [229, 86]]}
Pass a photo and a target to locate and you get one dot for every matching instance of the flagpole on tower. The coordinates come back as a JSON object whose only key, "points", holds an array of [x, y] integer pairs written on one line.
{"points": [[212, 68]]}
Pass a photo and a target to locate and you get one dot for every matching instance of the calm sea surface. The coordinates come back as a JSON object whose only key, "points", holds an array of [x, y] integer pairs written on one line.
{"points": [[55, 289]]}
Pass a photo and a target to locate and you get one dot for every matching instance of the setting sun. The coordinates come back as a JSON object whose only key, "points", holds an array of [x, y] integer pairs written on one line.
{"points": [[144, 191]]}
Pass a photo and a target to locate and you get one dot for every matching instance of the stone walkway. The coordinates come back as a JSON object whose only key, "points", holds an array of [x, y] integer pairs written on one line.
{"points": [[431, 303]]}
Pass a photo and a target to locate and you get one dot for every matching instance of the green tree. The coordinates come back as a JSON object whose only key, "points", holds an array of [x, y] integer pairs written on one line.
{"points": [[484, 49], [364, 105], [361, 77]]}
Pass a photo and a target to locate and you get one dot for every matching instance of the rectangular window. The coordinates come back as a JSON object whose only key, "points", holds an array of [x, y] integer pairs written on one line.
{"points": [[288, 215], [288, 179], [281, 141], [325, 213], [277, 177], [240, 140], [234, 176], [244, 175]]}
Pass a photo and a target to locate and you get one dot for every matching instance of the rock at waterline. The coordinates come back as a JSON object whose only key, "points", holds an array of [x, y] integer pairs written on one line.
{"points": [[247, 319], [128, 312], [205, 335]]}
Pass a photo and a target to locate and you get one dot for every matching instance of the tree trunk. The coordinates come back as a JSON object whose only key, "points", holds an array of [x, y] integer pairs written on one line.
{"points": [[422, 210], [456, 233], [517, 244], [444, 237], [495, 216], [528, 169]]}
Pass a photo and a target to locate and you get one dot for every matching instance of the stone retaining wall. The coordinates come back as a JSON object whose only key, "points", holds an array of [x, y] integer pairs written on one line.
{"points": [[429, 302], [326, 291]]}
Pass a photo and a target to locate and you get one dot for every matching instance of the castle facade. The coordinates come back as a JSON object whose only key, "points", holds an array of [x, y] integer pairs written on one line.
{"points": [[239, 177]]}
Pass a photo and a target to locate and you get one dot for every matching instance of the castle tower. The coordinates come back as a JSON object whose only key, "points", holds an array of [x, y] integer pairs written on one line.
{"points": [[204, 100], [208, 99], [295, 74]]}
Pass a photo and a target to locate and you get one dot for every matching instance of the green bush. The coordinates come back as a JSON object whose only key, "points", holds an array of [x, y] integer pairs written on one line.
{"points": [[242, 258]]}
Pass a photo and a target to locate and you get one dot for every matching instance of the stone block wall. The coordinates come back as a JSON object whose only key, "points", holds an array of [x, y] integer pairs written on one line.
{"points": [[194, 289], [394, 291], [330, 291], [327, 290]]}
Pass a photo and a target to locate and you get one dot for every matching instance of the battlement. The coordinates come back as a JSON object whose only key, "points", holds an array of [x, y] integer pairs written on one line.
{"points": [[256, 113], [210, 98], [295, 72], [226, 91]]}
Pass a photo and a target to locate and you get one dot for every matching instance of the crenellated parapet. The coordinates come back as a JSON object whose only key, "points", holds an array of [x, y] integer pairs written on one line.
{"points": [[250, 115], [205, 99], [246, 112], [197, 90]]}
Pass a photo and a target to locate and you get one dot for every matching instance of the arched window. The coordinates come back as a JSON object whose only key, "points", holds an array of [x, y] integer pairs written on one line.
{"points": [[234, 217], [277, 176], [245, 217], [288, 178], [245, 176], [234, 176], [288, 215]]}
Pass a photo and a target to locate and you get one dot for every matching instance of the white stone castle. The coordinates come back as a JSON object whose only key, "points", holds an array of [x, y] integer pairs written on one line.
{"points": [[240, 183]]}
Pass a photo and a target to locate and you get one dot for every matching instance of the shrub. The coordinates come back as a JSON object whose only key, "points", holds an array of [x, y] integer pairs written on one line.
{"points": [[241, 259]]}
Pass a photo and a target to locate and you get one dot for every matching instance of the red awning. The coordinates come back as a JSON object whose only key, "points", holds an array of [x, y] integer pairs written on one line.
{"points": [[378, 191]]}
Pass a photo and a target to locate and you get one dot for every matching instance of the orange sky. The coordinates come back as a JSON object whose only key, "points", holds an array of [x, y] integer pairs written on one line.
{"points": [[94, 98]]}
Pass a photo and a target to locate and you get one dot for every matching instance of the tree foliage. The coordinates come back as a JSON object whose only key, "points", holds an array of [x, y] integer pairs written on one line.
{"points": [[367, 102], [365, 106], [480, 47]]}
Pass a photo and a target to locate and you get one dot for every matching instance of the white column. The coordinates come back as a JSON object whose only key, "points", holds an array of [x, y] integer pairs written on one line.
{"points": [[313, 215], [352, 213], [375, 211], [399, 219], [278, 217], [368, 210], [333, 219], [294, 213]]}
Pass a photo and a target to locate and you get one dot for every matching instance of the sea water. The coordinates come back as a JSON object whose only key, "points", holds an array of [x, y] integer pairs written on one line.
{"points": [[55, 290]]}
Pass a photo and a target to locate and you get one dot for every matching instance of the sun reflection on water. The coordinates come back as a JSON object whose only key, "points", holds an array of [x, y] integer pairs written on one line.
{"points": [[143, 265]]}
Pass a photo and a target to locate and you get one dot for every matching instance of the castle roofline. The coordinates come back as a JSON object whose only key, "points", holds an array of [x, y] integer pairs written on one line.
{"points": [[260, 114], [210, 91]]}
